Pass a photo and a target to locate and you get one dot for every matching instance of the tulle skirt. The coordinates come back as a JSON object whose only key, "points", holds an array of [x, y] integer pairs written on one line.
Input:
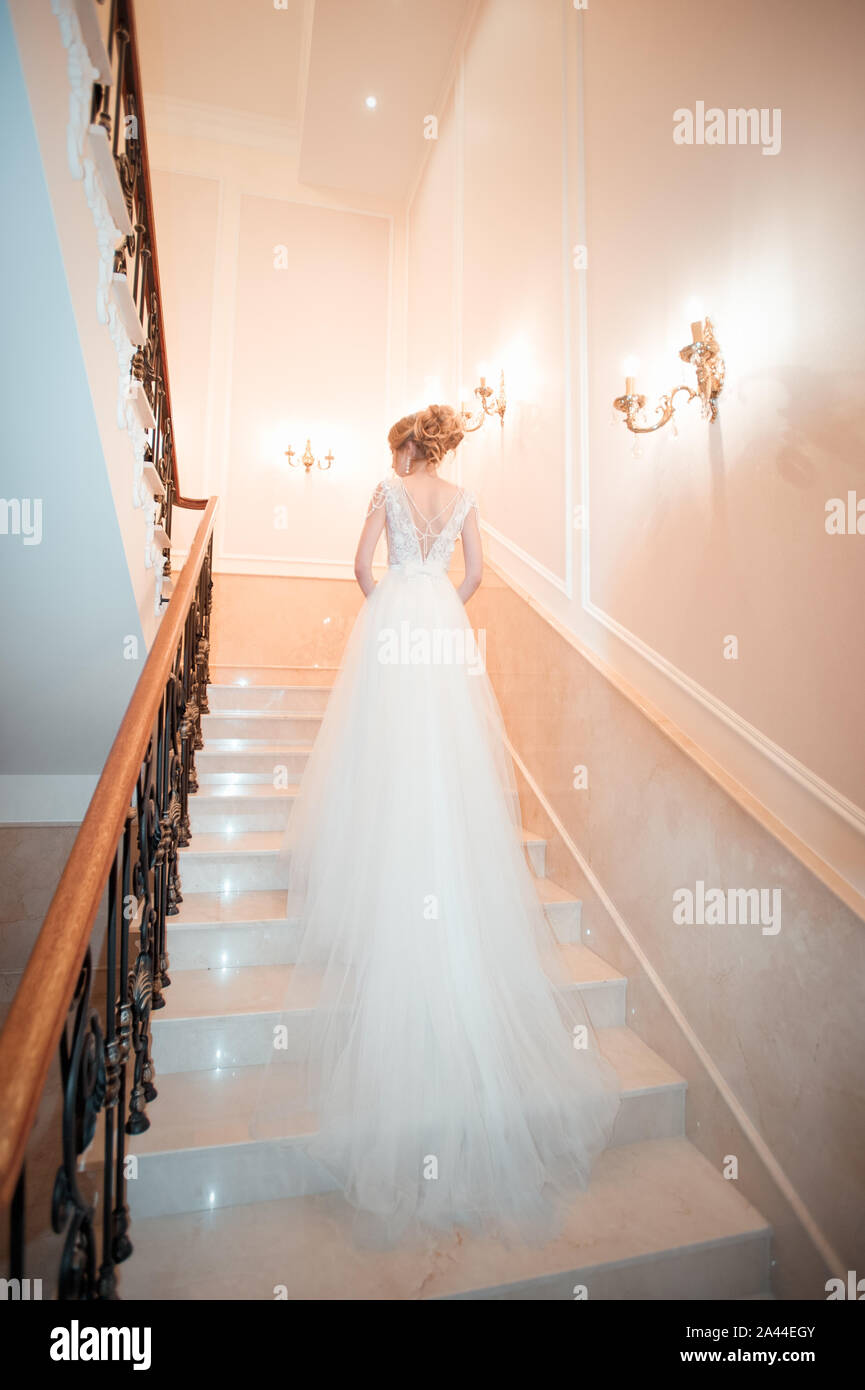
{"points": [[430, 1027]]}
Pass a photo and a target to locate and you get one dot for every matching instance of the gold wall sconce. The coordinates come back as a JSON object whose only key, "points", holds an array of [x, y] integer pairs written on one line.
{"points": [[308, 459], [473, 419], [705, 355]]}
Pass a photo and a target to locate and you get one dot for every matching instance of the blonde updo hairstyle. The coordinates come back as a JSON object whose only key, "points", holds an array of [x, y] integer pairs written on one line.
{"points": [[433, 432]]}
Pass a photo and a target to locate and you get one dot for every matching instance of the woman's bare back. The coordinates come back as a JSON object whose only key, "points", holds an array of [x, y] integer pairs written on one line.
{"points": [[431, 499]]}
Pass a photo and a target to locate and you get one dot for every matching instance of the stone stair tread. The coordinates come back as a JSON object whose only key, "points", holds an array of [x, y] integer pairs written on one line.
{"points": [[644, 1200], [587, 968], [268, 841], [237, 674], [258, 685], [269, 904], [229, 990], [248, 791], [241, 748], [219, 842], [259, 714], [211, 909], [551, 892], [637, 1065], [204, 1109]]}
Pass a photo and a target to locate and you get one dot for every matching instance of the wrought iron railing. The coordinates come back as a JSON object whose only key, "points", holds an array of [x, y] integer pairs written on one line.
{"points": [[119, 109], [92, 994], [125, 856]]}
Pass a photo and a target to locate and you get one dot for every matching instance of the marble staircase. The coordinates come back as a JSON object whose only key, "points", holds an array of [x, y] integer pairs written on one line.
{"points": [[220, 1211]]}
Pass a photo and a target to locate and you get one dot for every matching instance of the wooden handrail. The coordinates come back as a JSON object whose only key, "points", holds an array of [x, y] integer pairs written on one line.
{"points": [[28, 1043]]}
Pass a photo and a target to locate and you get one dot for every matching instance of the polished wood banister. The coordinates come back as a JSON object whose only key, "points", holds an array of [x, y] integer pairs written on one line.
{"points": [[36, 1020]]}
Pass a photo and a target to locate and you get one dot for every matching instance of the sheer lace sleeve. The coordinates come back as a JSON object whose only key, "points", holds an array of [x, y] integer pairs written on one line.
{"points": [[377, 500], [470, 503]]}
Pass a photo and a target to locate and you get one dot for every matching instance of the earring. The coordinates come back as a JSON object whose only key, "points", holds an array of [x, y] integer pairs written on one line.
{"points": [[407, 468]]}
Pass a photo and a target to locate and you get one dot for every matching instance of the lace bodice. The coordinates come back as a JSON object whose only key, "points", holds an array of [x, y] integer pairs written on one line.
{"points": [[412, 537]]}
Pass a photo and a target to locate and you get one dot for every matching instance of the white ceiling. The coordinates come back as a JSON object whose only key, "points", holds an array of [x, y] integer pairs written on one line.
{"points": [[229, 53], [399, 51], [310, 67]]}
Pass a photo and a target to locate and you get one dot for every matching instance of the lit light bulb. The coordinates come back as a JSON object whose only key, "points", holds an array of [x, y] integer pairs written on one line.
{"points": [[371, 103], [630, 365]]}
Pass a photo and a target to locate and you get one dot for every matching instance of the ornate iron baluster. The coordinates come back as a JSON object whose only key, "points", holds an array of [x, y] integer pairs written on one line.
{"points": [[111, 1073], [82, 1062]]}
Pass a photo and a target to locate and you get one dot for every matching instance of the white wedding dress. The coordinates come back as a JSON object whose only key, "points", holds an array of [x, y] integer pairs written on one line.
{"points": [[447, 1056]]}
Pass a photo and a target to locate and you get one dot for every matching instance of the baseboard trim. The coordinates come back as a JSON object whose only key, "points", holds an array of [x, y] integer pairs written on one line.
{"points": [[819, 1240], [815, 785], [848, 832]]}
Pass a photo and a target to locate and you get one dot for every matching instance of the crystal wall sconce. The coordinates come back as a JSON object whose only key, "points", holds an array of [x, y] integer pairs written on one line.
{"points": [[473, 419], [308, 460], [705, 355]]}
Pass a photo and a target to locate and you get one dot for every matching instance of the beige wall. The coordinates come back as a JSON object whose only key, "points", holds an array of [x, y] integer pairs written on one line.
{"points": [[44, 63], [270, 347], [558, 133]]}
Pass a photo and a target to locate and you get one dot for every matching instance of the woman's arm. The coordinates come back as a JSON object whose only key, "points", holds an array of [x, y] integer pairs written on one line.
{"points": [[473, 555], [369, 538]]}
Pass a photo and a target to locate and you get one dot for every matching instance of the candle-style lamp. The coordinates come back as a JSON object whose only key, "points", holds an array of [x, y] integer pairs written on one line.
{"points": [[705, 355], [630, 403], [491, 402], [308, 461]]}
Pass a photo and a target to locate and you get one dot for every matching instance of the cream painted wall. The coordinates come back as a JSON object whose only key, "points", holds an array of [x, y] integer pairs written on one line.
{"points": [[269, 356], [431, 307], [44, 64], [186, 269], [561, 135], [722, 532]]}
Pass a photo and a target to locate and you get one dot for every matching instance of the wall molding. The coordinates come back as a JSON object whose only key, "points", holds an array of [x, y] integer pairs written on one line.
{"points": [[526, 558], [839, 804], [815, 786], [818, 863], [217, 457], [454, 86], [772, 1165], [86, 151]]}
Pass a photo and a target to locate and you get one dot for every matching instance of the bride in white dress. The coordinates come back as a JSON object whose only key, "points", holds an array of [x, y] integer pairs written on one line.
{"points": [[449, 1061]]}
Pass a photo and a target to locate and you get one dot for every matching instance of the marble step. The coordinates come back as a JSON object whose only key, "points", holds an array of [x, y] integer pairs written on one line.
{"points": [[205, 1147], [222, 862], [249, 728], [656, 1222], [225, 809], [246, 698], [225, 1017], [217, 930], [279, 764], [270, 676]]}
